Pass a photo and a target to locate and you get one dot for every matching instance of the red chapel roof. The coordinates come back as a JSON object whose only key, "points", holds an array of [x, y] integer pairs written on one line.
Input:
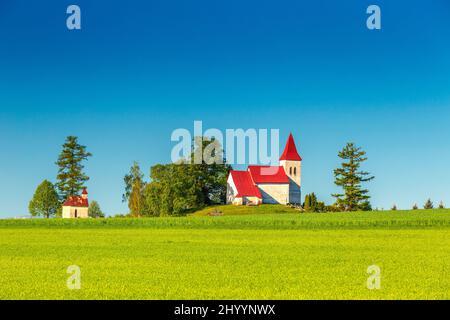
{"points": [[290, 150], [76, 201], [244, 184], [268, 174]]}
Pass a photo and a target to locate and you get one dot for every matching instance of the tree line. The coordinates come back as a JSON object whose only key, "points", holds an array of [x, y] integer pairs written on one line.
{"points": [[181, 188], [177, 188]]}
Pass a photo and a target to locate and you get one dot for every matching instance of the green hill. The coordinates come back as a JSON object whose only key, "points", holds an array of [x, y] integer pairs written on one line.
{"points": [[230, 210]]}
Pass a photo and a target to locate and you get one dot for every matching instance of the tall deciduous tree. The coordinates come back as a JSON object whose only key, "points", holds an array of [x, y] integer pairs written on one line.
{"points": [[179, 188], [45, 200], [350, 177], [212, 173], [71, 177], [134, 190]]}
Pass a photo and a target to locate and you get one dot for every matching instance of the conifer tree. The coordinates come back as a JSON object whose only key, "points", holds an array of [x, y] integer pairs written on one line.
{"points": [[311, 203], [71, 178], [350, 177], [307, 203], [428, 204]]}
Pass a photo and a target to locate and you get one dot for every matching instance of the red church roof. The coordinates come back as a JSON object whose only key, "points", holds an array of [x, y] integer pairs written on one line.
{"points": [[244, 184], [84, 191], [76, 201], [268, 174], [246, 181], [290, 150]]}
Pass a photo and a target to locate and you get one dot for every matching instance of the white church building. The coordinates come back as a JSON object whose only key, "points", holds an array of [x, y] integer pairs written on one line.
{"points": [[268, 184], [76, 206]]}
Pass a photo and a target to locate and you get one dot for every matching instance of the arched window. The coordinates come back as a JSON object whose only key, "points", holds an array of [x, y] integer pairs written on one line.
{"points": [[295, 171], [290, 171]]}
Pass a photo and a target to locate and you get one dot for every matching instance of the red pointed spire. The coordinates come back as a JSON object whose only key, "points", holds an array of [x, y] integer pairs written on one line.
{"points": [[84, 191], [290, 151]]}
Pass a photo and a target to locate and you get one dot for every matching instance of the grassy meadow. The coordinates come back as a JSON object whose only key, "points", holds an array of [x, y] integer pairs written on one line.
{"points": [[272, 253]]}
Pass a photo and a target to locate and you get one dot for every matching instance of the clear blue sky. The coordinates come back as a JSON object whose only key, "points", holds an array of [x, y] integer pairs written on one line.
{"points": [[140, 69]]}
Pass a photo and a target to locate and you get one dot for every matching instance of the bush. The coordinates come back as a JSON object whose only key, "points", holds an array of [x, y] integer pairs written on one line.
{"points": [[365, 206]]}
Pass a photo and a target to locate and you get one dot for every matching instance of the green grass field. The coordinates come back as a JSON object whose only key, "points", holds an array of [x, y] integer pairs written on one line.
{"points": [[275, 255]]}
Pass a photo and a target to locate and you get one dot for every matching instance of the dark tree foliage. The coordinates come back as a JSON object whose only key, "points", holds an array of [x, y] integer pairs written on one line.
{"points": [[71, 178], [428, 204], [311, 204], [174, 190], [350, 178], [211, 175]]}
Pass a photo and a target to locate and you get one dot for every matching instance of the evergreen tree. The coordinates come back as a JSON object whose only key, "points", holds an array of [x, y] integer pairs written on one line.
{"points": [[95, 211], [350, 177], [394, 208], [365, 206], [45, 201], [415, 207], [71, 177], [428, 204], [321, 207], [312, 204], [441, 205], [307, 203]]}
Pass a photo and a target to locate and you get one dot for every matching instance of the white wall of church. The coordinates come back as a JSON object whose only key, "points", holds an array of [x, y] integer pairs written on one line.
{"points": [[274, 193], [293, 170], [231, 190], [69, 212]]}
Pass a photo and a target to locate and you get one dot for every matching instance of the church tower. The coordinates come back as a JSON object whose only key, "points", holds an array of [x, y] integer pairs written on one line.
{"points": [[291, 161], [84, 194]]}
